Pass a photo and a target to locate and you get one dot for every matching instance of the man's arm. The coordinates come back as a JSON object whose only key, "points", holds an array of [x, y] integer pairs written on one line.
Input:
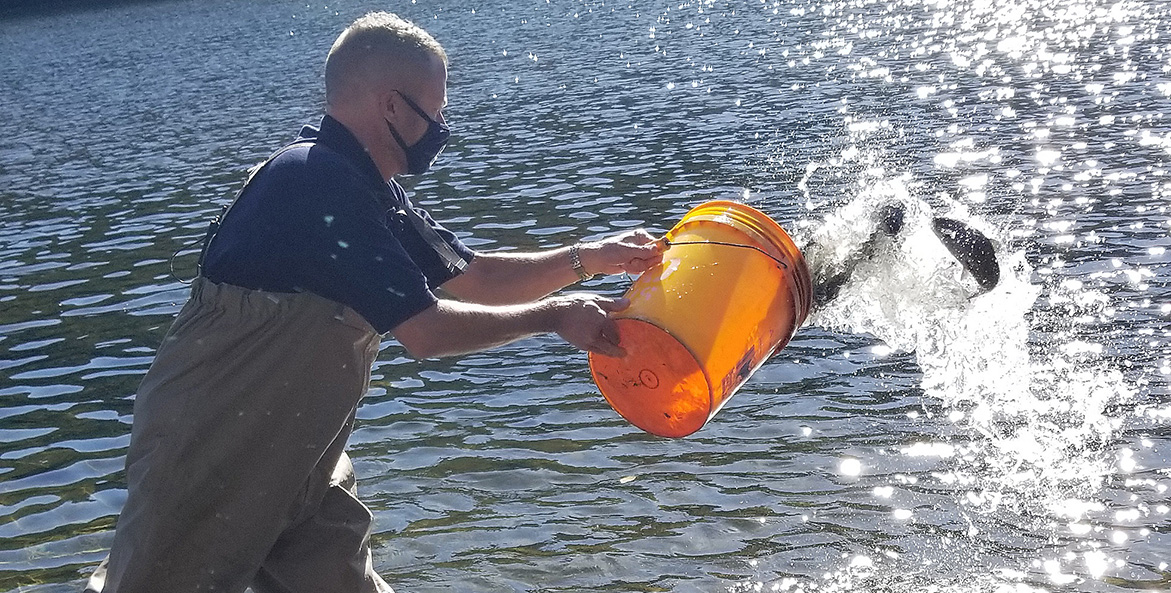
{"points": [[510, 278], [451, 327]]}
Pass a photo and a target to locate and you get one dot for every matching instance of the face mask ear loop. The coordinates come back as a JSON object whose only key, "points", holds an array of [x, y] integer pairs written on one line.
{"points": [[422, 154], [397, 137], [416, 108]]}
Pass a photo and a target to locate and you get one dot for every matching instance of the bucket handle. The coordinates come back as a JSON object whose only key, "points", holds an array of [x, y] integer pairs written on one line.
{"points": [[670, 243]]}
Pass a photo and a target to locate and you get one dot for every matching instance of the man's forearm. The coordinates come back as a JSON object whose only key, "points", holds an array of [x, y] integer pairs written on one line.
{"points": [[451, 327], [508, 278], [505, 278]]}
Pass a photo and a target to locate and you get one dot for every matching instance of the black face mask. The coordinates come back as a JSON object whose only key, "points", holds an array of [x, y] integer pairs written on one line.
{"points": [[423, 153]]}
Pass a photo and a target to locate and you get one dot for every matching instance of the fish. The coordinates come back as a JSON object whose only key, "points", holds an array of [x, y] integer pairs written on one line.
{"points": [[889, 222], [971, 248], [974, 251], [890, 219]]}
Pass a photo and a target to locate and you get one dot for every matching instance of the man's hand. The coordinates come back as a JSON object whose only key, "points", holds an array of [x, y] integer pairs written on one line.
{"points": [[633, 252], [584, 321]]}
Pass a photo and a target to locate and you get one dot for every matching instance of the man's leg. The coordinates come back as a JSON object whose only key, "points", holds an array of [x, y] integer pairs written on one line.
{"points": [[329, 550]]}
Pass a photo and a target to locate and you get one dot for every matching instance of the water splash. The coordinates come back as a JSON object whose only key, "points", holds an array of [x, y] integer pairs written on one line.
{"points": [[1033, 409], [1041, 408]]}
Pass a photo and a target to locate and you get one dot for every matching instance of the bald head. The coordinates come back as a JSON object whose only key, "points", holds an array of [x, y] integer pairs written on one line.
{"points": [[375, 51]]}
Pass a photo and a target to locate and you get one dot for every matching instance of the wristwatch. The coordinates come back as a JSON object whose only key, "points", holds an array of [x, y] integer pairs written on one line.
{"points": [[575, 261]]}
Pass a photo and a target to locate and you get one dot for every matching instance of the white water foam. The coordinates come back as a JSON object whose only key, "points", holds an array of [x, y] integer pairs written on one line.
{"points": [[1036, 411], [1042, 408]]}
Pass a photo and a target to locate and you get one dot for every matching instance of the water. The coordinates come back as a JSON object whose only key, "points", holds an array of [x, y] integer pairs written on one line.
{"points": [[912, 439]]}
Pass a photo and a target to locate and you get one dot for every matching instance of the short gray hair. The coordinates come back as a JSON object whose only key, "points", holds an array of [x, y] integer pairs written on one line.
{"points": [[374, 41]]}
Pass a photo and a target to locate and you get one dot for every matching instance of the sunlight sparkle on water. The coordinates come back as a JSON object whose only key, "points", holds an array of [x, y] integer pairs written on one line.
{"points": [[850, 467], [1096, 563], [1048, 157], [1056, 576], [1126, 461]]}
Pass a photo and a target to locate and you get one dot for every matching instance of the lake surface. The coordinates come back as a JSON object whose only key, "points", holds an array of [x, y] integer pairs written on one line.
{"points": [[908, 439]]}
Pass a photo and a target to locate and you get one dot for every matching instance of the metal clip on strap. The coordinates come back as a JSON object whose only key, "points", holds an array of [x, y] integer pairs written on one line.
{"points": [[451, 259]]}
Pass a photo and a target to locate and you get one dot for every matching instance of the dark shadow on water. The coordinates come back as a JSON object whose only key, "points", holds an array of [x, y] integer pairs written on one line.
{"points": [[25, 8]]}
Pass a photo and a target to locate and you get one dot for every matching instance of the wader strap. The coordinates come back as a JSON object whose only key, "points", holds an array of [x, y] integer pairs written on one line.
{"points": [[214, 226]]}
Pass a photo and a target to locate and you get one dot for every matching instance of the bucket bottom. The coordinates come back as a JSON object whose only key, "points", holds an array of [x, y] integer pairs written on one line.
{"points": [[658, 386]]}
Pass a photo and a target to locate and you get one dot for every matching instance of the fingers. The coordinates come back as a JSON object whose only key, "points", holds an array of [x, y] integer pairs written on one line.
{"points": [[645, 242], [637, 257], [652, 250], [632, 252], [585, 322], [608, 341], [638, 240], [613, 305], [650, 255], [639, 237], [637, 266], [623, 251]]}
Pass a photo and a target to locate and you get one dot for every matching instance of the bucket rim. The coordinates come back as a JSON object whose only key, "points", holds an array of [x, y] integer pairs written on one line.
{"points": [[763, 225]]}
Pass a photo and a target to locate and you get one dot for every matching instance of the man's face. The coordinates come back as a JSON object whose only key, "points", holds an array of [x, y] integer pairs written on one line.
{"points": [[426, 92], [412, 102]]}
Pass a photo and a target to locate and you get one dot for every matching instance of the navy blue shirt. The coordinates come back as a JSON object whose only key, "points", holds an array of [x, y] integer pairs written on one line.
{"points": [[319, 218]]}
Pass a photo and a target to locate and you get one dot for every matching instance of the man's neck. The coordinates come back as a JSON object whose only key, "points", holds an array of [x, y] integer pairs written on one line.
{"points": [[367, 134]]}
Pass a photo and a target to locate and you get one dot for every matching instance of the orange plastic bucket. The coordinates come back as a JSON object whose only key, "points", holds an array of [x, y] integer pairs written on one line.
{"points": [[731, 290]]}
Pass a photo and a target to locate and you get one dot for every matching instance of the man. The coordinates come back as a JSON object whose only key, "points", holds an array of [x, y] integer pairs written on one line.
{"points": [[236, 471]]}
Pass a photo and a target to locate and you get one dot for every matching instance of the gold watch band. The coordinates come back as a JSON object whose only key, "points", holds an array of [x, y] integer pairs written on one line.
{"points": [[575, 261]]}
